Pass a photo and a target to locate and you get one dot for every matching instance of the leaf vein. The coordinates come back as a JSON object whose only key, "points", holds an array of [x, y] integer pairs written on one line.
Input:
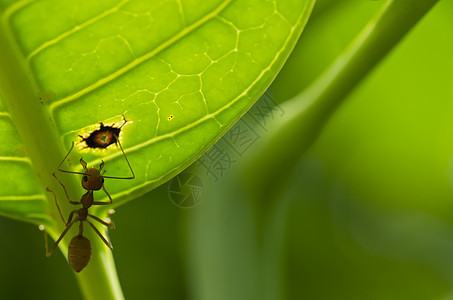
{"points": [[142, 58], [14, 8], [23, 197], [211, 115], [75, 29], [16, 158]]}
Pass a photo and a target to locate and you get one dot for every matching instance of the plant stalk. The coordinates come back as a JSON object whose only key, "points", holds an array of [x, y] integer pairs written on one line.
{"points": [[43, 143], [308, 113]]}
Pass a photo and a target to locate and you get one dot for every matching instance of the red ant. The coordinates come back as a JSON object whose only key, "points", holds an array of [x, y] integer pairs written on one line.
{"points": [[79, 251]]}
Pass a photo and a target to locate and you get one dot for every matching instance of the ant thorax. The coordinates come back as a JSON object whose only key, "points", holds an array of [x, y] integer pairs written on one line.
{"points": [[87, 199]]}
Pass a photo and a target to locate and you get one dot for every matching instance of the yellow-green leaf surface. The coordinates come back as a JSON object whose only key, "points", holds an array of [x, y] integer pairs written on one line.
{"points": [[180, 71]]}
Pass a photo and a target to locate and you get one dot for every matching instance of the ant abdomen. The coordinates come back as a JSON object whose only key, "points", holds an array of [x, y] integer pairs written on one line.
{"points": [[79, 252]]}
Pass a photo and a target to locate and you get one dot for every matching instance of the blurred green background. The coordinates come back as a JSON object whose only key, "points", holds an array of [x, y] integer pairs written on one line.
{"points": [[368, 210]]}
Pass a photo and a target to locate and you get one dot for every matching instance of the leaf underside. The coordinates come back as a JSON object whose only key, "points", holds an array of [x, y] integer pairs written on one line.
{"points": [[181, 72]]}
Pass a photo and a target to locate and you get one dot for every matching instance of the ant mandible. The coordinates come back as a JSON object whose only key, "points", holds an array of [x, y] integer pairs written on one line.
{"points": [[79, 251]]}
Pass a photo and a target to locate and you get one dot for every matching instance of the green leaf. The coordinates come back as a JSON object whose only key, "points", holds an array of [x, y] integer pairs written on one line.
{"points": [[182, 72]]}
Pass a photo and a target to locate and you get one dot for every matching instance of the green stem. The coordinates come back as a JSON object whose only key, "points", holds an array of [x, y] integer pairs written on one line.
{"points": [[308, 112], [44, 146], [99, 279], [267, 173]]}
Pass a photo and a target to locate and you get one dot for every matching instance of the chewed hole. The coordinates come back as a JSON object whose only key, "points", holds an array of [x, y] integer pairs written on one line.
{"points": [[104, 136]]}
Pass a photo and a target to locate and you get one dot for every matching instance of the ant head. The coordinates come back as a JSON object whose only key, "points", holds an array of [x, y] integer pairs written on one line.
{"points": [[92, 180]]}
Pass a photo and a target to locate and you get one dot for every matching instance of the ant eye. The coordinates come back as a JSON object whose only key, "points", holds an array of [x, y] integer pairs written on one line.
{"points": [[85, 178], [102, 179]]}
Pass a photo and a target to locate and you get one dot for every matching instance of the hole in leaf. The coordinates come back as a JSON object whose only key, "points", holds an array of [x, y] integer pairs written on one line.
{"points": [[104, 136]]}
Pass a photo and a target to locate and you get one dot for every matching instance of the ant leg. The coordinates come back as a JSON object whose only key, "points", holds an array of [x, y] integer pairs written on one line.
{"points": [[72, 146], [56, 203], [132, 171], [109, 225], [104, 203], [65, 171], [103, 188], [49, 253], [70, 216], [100, 235], [65, 191]]}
